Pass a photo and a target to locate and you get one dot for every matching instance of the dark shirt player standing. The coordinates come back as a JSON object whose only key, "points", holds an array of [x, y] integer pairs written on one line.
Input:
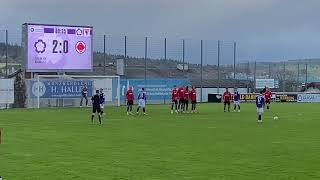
{"points": [[84, 95], [96, 106]]}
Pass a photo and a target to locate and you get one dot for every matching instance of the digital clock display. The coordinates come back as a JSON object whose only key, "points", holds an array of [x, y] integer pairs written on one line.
{"points": [[58, 48]]}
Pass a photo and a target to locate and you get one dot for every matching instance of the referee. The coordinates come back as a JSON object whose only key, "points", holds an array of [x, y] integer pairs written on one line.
{"points": [[96, 106]]}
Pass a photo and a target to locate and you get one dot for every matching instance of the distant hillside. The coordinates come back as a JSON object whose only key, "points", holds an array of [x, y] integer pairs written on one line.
{"points": [[157, 68]]}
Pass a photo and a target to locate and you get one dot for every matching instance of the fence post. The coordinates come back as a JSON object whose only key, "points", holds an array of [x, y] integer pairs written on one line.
{"points": [[218, 89], [234, 59], [145, 59], [255, 75], [269, 70], [104, 54], [183, 54], [201, 68], [125, 55], [284, 77], [306, 82], [248, 72], [7, 59], [6, 53], [298, 78], [165, 48]]}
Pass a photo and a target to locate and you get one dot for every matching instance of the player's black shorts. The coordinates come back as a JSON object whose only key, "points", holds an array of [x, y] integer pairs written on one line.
{"points": [[175, 101], [194, 102], [96, 109], [226, 102], [181, 101], [130, 103]]}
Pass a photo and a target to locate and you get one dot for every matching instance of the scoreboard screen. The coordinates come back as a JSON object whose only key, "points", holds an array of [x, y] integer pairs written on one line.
{"points": [[51, 48]]}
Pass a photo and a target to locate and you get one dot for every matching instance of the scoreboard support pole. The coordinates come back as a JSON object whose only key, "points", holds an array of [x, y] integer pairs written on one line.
{"points": [[38, 92]]}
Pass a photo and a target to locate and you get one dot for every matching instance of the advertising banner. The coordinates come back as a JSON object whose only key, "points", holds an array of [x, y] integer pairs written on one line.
{"points": [[311, 98], [251, 97], [156, 89], [60, 88], [6, 91]]}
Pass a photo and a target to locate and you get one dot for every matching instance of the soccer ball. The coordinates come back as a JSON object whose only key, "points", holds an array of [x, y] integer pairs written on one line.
{"points": [[275, 118]]}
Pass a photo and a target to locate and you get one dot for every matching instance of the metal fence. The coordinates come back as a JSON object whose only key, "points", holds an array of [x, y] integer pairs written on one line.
{"points": [[206, 63]]}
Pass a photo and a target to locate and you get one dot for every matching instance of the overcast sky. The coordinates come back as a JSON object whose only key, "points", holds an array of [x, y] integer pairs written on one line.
{"points": [[263, 29]]}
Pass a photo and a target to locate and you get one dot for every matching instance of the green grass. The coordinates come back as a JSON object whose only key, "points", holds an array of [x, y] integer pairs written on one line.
{"points": [[62, 144]]}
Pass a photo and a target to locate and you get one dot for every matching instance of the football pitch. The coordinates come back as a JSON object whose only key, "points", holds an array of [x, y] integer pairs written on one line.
{"points": [[62, 144]]}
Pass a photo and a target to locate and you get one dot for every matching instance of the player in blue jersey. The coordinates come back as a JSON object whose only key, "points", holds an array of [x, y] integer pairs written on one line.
{"points": [[260, 104], [102, 101], [236, 100], [142, 101]]}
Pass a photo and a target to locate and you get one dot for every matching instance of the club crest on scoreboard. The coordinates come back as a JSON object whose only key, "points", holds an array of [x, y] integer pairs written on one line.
{"points": [[80, 47]]}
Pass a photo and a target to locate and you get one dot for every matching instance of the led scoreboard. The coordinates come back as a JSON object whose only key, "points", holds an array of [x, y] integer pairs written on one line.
{"points": [[51, 48]]}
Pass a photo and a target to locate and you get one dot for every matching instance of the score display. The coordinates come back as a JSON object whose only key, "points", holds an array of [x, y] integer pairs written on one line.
{"points": [[51, 48]]}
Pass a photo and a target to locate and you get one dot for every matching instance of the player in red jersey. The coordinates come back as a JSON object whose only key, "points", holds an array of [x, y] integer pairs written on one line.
{"points": [[268, 96], [130, 99], [181, 98], [174, 97], [226, 99], [186, 99], [193, 97]]}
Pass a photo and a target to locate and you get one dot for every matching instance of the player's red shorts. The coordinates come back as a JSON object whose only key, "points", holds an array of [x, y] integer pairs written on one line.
{"points": [[226, 102], [268, 101], [130, 102]]}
